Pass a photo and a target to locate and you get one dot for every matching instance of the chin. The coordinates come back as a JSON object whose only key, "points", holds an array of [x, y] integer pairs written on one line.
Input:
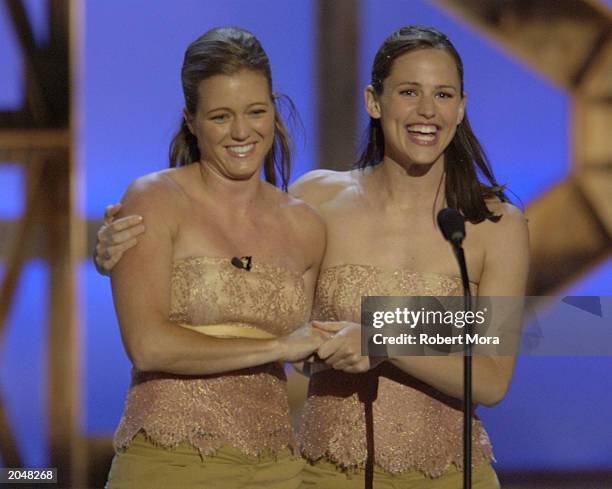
{"points": [[243, 167], [245, 175], [423, 160]]}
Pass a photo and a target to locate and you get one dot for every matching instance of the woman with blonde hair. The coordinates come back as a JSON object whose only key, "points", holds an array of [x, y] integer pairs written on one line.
{"points": [[217, 293]]}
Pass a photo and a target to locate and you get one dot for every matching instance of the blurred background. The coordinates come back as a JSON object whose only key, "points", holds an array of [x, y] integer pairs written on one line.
{"points": [[89, 99]]}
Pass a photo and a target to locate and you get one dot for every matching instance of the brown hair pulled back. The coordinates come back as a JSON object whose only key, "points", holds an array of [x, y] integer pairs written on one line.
{"points": [[226, 51], [464, 158]]}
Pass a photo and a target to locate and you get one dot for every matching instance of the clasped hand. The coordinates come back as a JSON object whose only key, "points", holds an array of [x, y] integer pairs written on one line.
{"points": [[343, 350]]}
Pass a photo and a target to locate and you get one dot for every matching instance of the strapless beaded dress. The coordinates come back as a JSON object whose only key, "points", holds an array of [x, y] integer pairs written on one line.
{"points": [[246, 409], [415, 427]]}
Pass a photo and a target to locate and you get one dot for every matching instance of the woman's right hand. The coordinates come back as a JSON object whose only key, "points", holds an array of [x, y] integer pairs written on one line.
{"points": [[302, 343], [115, 237]]}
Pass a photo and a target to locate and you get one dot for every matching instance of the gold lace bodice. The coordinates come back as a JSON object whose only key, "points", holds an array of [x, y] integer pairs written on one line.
{"points": [[247, 409], [414, 425]]}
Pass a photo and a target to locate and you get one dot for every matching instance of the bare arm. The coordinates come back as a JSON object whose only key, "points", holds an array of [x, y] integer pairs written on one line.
{"points": [[313, 233], [504, 274], [141, 292]]}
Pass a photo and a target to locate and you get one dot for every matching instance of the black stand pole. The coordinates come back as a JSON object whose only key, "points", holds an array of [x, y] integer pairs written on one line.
{"points": [[467, 373], [368, 402]]}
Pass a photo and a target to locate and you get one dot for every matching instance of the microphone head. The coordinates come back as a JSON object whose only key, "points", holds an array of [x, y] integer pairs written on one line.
{"points": [[243, 262], [452, 225]]}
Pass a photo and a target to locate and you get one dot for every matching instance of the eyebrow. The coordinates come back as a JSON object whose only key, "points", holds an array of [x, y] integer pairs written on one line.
{"points": [[419, 85], [230, 110]]}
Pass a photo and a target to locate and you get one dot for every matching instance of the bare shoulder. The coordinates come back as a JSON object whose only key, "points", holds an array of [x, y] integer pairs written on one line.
{"points": [[510, 229], [302, 223], [319, 186], [510, 215], [156, 193], [506, 252], [304, 218]]}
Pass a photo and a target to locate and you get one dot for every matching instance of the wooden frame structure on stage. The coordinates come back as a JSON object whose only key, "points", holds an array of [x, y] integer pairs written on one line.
{"points": [[39, 137], [569, 42], [575, 53]]}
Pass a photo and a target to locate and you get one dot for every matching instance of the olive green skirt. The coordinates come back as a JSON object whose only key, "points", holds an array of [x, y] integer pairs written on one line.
{"points": [[143, 465], [323, 474]]}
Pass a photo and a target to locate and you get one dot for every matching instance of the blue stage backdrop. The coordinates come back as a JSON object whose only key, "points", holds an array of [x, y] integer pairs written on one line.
{"points": [[557, 413]]}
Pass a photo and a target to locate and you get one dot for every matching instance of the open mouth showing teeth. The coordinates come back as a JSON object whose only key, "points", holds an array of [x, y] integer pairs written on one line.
{"points": [[423, 132], [422, 129], [241, 150]]}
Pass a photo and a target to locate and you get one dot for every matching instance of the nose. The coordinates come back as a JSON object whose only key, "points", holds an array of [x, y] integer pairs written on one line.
{"points": [[239, 129], [426, 107]]}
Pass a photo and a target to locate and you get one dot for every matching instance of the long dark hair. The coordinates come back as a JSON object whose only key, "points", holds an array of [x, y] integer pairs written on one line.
{"points": [[225, 51], [464, 158]]}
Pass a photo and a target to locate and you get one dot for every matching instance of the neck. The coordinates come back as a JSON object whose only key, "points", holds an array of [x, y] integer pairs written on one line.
{"points": [[238, 195], [412, 187]]}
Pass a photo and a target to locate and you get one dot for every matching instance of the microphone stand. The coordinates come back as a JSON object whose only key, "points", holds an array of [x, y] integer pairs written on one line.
{"points": [[467, 370]]}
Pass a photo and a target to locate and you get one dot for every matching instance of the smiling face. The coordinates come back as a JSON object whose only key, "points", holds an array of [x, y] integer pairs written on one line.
{"points": [[420, 106], [234, 123]]}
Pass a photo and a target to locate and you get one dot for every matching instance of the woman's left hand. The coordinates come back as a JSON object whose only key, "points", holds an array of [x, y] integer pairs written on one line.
{"points": [[343, 350]]}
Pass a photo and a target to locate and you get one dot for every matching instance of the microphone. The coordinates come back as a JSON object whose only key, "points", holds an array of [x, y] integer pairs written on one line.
{"points": [[452, 225], [244, 262]]}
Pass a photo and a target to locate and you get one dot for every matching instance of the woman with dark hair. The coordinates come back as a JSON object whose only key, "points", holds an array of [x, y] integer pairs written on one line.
{"points": [[421, 156], [382, 240], [217, 293]]}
